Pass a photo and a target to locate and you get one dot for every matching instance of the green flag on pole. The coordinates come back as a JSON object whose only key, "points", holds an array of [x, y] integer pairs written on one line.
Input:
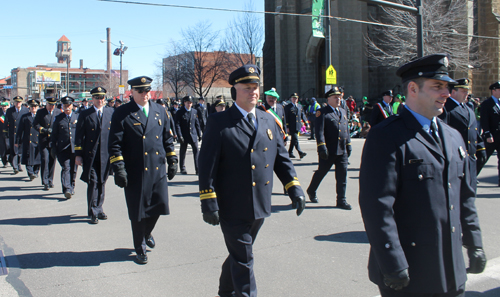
{"points": [[317, 20]]}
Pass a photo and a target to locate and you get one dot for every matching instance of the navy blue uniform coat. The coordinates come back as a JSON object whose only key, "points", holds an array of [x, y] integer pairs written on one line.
{"points": [[463, 119], [63, 132], [28, 136], [90, 133], [332, 131], [294, 117], [236, 169], [377, 116], [417, 207], [187, 125], [143, 144], [13, 118]]}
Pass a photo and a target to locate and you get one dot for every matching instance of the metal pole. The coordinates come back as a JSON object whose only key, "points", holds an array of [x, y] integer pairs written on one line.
{"points": [[420, 30], [121, 53], [329, 27], [67, 75]]}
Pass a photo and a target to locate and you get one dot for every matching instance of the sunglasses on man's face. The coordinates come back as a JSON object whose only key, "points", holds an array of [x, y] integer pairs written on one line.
{"points": [[142, 90], [99, 97]]}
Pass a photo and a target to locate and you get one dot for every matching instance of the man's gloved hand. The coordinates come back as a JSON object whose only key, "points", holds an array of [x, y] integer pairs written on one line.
{"points": [[180, 140], [120, 175], [172, 169], [299, 203], [477, 260], [323, 155], [397, 280], [199, 138], [481, 157], [349, 150], [211, 217], [44, 131]]}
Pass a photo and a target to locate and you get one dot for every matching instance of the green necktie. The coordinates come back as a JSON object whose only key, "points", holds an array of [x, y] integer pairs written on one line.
{"points": [[144, 111]]}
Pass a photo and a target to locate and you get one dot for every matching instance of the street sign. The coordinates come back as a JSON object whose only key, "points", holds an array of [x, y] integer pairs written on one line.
{"points": [[331, 76], [121, 89], [7, 86]]}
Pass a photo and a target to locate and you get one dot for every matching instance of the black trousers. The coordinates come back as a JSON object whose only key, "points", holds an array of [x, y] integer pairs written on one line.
{"points": [[388, 292], [490, 148], [324, 166], [183, 149], [237, 271], [140, 231], [312, 121], [68, 170], [95, 194], [5, 158], [15, 157], [47, 167], [32, 169], [294, 143]]}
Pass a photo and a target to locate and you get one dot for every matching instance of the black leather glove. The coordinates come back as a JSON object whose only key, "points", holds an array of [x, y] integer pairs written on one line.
{"points": [[171, 170], [120, 175], [299, 203], [481, 158], [323, 155], [180, 140], [349, 150], [199, 138], [397, 280], [53, 153], [211, 217], [44, 131], [477, 260], [486, 135]]}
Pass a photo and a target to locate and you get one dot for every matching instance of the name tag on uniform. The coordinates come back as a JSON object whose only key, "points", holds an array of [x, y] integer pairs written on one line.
{"points": [[137, 124], [413, 161]]}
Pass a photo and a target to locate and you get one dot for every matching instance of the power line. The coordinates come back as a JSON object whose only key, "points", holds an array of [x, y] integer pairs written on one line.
{"points": [[340, 19]]}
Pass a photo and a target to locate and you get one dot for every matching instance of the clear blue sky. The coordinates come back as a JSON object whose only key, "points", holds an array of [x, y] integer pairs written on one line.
{"points": [[31, 29]]}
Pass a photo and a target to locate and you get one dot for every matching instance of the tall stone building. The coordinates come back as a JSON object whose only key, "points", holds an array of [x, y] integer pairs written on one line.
{"points": [[295, 61]]}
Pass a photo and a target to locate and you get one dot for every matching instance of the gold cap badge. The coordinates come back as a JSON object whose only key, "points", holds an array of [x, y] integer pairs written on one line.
{"points": [[251, 70], [143, 80]]}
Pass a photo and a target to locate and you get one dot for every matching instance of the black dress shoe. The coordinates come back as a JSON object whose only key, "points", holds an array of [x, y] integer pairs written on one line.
{"points": [[67, 194], [21, 170], [150, 241], [45, 187], [292, 156], [102, 216], [312, 197], [184, 171], [16, 171], [344, 205], [94, 220], [51, 185], [32, 177], [141, 259], [302, 155]]}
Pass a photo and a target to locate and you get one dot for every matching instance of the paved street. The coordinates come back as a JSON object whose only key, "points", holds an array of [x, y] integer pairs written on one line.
{"points": [[50, 249]]}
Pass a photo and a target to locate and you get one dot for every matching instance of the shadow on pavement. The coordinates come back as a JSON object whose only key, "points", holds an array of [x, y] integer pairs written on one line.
{"points": [[490, 293], [43, 196], [193, 195], [53, 259], [183, 183], [45, 221], [347, 237], [491, 195]]}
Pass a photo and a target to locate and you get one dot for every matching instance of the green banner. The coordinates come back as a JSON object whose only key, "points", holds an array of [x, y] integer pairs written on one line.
{"points": [[318, 10]]}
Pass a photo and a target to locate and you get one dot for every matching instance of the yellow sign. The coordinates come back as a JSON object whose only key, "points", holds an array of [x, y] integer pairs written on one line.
{"points": [[331, 76], [48, 77]]}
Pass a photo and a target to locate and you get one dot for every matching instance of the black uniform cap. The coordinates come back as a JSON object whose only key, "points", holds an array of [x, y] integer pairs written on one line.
{"points": [[160, 101], [387, 93], [432, 66], [495, 85], [462, 83], [245, 74], [187, 98], [333, 91], [18, 99], [98, 91], [67, 100], [140, 82], [219, 103], [33, 102], [51, 100]]}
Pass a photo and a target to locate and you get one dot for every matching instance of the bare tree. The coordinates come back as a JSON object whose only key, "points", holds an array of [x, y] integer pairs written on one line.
{"points": [[174, 72], [110, 83], [205, 62], [445, 23], [244, 37]]}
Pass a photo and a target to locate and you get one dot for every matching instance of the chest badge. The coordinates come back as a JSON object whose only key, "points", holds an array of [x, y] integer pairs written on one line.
{"points": [[461, 151], [159, 122], [270, 134]]}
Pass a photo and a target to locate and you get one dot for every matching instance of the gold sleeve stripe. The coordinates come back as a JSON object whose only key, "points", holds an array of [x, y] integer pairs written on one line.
{"points": [[78, 148], [171, 154], [481, 149], [321, 143], [208, 196], [348, 143], [291, 184], [115, 159]]}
